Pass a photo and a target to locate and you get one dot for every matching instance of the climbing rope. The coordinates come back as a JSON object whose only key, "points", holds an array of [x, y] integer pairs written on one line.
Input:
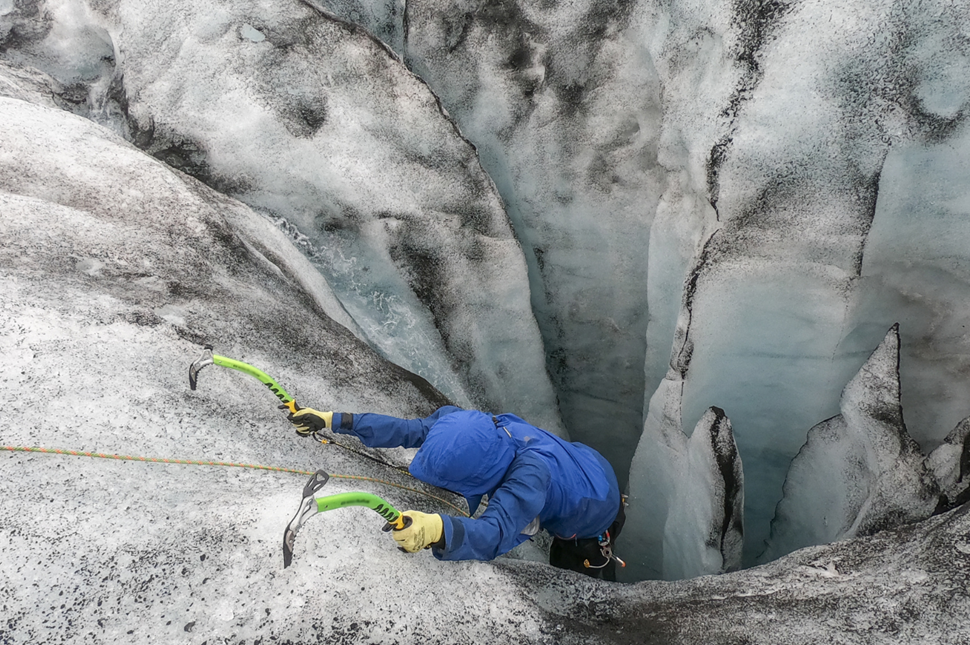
{"points": [[189, 462]]}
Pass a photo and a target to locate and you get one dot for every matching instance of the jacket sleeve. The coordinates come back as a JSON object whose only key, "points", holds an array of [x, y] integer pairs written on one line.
{"points": [[511, 509], [382, 431]]}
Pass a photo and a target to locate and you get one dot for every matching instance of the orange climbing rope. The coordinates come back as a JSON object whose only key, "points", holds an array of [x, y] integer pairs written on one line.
{"points": [[190, 462]]}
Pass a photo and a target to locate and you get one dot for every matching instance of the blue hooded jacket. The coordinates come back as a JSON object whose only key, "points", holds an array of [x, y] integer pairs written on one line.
{"points": [[526, 472]]}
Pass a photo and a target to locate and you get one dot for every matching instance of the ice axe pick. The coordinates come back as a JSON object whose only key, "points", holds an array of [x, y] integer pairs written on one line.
{"points": [[312, 505], [208, 358]]}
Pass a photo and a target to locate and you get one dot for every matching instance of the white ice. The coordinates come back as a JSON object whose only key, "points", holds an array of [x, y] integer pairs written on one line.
{"points": [[567, 127], [323, 128], [686, 492], [950, 464], [798, 141], [102, 245]]}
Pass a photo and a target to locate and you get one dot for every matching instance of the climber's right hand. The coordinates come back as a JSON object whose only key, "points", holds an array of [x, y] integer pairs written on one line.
{"points": [[308, 421]]}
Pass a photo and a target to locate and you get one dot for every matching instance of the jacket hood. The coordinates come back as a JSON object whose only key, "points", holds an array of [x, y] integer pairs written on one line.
{"points": [[465, 453]]}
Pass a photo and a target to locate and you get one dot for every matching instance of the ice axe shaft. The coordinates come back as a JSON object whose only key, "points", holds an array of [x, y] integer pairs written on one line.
{"points": [[208, 358], [310, 506]]}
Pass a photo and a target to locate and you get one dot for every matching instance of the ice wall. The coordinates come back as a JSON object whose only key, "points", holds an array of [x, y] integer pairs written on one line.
{"points": [[686, 493], [315, 122], [799, 131], [860, 471], [916, 267], [563, 104], [687, 499], [788, 119]]}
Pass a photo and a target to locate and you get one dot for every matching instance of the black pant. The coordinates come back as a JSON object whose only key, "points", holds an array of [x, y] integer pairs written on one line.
{"points": [[573, 554]]}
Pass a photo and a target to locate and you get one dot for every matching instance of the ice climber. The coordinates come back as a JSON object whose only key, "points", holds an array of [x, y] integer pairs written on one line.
{"points": [[533, 480]]}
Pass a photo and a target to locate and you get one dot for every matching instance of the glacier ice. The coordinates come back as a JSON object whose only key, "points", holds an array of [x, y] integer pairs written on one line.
{"points": [[793, 148], [563, 104], [858, 472], [916, 270], [704, 531], [950, 465], [330, 134], [795, 172], [686, 493], [789, 148], [116, 551], [113, 267], [383, 19]]}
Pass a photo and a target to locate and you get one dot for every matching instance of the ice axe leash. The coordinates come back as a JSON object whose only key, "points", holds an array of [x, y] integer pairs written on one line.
{"points": [[311, 505]]}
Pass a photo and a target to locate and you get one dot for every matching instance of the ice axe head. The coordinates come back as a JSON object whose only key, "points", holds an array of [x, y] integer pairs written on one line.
{"points": [[208, 358], [308, 508], [312, 505], [196, 367]]}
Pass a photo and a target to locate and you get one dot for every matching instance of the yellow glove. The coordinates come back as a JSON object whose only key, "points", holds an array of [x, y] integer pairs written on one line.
{"points": [[423, 531], [308, 421]]}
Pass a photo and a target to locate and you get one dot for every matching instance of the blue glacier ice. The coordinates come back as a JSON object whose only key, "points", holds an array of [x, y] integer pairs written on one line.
{"points": [[860, 471]]}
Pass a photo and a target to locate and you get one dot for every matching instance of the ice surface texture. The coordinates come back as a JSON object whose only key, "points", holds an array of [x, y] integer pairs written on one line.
{"points": [[564, 105], [686, 498], [686, 494], [112, 266], [791, 124], [315, 122], [950, 464], [795, 172], [860, 471], [824, 142]]}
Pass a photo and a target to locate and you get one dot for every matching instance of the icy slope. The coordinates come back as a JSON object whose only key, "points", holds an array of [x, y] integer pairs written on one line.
{"points": [[112, 269], [905, 586], [316, 123]]}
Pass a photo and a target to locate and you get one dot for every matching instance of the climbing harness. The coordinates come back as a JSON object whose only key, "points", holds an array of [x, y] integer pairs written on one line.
{"points": [[605, 540], [606, 549]]}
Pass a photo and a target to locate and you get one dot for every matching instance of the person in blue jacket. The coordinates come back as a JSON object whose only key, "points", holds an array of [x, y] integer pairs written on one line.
{"points": [[533, 479]]}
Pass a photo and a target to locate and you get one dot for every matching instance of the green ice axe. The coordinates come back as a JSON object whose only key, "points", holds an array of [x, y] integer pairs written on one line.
{"points": [[311, 505], [208, 358]]}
